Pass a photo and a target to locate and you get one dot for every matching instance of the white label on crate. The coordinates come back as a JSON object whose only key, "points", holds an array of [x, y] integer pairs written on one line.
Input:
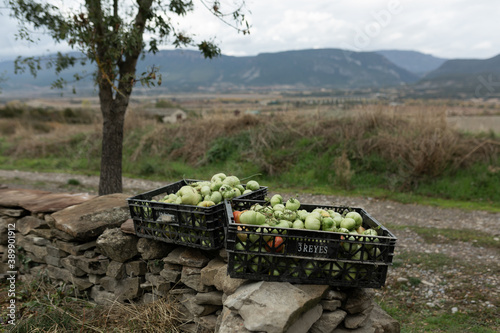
{"points": [[311, 248], [167, 218]]}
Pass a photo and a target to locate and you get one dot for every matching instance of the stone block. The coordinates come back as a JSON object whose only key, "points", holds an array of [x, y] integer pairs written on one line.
{"points": [[328, 321], [186, 256], [210, 270], [40, 241], [230, 322], [28, 223], [56, 252], [95, 279], [155, 266], [251, 301], [211, 297], [37, 201], [127, 227], [128, 289], [56, 273], [90, 266], [358, 299], [353, 321], [152, 249], [159, 285], [335, 294], [68, 263], [116, 245], [89, 219], [197, 310], [27, 243], [191, 277], [172, 276], [306, 320], [54, 261], [136, 268], [116, 270], [10, 212], [225, 283], [109, 283], [101, 296], [330, 305], [44, 233], [208, 322], [73, 247]]}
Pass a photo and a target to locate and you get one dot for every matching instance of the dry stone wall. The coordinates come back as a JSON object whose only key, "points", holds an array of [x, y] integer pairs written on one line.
{"points": [[89, 243]]}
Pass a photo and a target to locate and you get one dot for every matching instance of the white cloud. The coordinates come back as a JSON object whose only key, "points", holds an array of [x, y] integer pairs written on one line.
{"points": [[445, 28]]}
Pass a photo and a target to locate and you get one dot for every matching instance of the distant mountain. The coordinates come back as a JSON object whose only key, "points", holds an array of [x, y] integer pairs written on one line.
{"points": [[465, 78], [185, 70], [324, 68], [416, 62]]}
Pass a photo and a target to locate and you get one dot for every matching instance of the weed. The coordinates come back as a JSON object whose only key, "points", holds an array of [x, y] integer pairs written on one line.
{"points": [[73, 181]]}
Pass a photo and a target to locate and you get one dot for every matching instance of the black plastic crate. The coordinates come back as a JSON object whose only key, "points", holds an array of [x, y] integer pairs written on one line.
{"points": [[309, 256], [188, 225]]}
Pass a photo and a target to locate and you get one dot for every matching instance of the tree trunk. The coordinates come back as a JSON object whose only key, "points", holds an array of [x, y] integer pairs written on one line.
{"points": [[112, 146]]}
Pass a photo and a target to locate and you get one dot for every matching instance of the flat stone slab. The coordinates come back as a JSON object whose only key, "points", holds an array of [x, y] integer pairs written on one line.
{"points": [[89, 219], [38, 201]]}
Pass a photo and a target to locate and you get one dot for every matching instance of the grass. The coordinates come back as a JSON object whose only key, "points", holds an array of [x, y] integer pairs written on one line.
{"points": [[407, 302], [445, 235], [412, 156], [46, 307]]}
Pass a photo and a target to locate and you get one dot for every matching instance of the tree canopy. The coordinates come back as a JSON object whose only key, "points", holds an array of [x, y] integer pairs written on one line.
{"points": [[113, 35]]}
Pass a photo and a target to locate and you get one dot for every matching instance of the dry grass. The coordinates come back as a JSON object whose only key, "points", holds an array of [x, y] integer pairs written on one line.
{"points": [[48, 307], [416, 138]]}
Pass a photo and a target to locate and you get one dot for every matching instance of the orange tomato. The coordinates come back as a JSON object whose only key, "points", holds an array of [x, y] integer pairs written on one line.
{"points": [[236, 215], [275, 244]]}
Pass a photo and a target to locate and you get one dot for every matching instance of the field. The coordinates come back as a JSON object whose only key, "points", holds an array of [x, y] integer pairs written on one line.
{"points": [[420, 167]]}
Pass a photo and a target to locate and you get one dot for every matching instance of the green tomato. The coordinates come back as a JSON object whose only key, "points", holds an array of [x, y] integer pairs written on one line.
{"points": [[231, 181], [302, 214], [189, 196], [293, 204], [327, 223], [356, 217], [348, 223], [216, 197], [246, 191], [206, 203], [218, 177], [279, 207], [343, 230], [316, 214], [252, 185], [289, 215], [260, 218], [276, 199], [205, 190], [337, 219], [252, 217], [298, 224], [278, 214], [248, 217], [215, 186], [312, 222]]}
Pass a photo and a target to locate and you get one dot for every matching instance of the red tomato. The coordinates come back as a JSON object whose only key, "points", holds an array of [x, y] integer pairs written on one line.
{"points": [[275, 244]]}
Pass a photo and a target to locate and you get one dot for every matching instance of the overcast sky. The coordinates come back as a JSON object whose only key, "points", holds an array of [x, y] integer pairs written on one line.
{"points": [[443, 28]]}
